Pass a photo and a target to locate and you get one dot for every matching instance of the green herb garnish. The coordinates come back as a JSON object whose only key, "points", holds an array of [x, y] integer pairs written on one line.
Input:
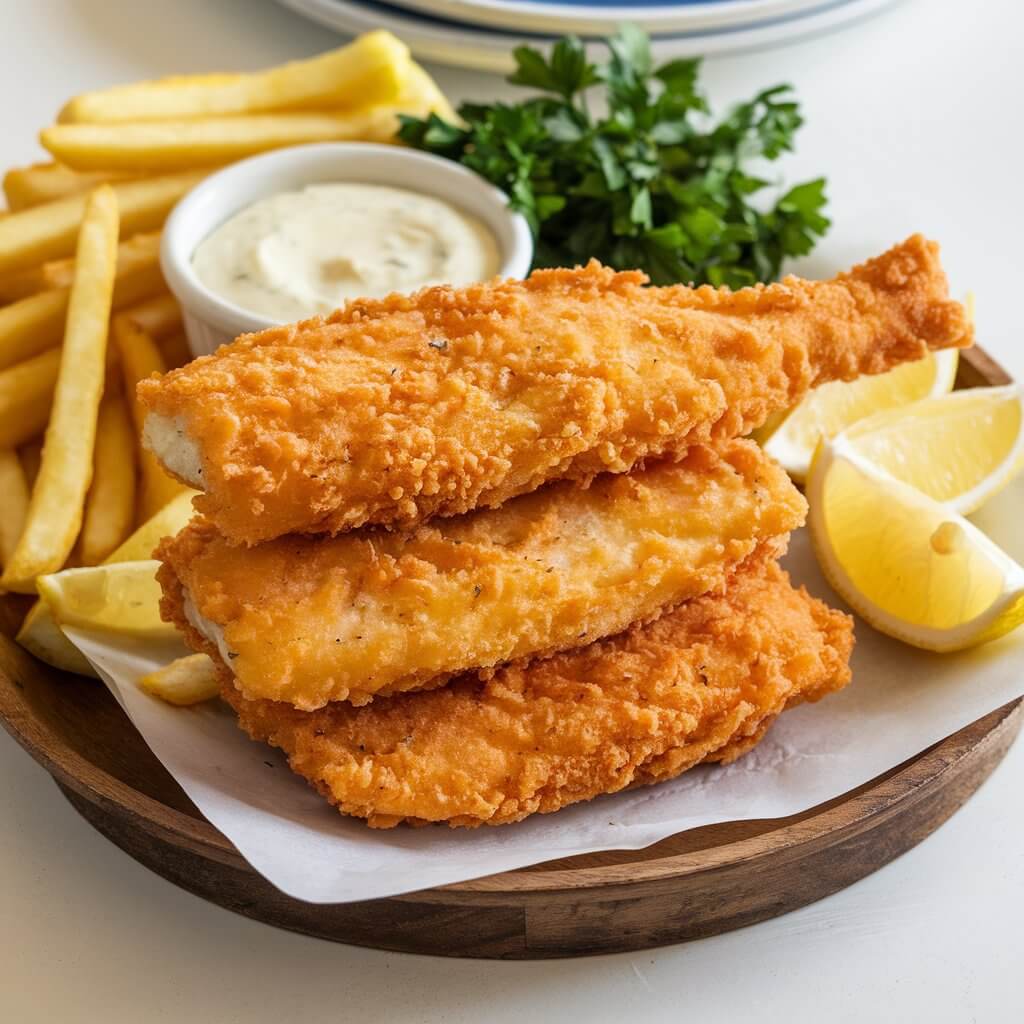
{"points": [[652, 183]]}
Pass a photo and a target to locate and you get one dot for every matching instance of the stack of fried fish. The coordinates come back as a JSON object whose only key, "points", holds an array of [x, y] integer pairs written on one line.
{"points": [[477, 553]]}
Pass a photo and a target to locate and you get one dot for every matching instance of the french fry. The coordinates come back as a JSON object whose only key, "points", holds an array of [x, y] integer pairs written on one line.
{"points": [[167, 145], [139, 251], [110, 504], [147, 146], [55, 510], [423, 96], [13, 502], [140, 357], [159, 316], [138, 274], [43, 183], [36, 323], [371, 69], [25, 283], [26, 394], [185, 681], [175, 350], [28, 282], [31, 326], [50, 230], [41, 636], [30, 455]]}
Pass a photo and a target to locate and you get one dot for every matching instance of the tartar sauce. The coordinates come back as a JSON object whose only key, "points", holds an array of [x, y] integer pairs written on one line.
{"points": [[295, 254]]}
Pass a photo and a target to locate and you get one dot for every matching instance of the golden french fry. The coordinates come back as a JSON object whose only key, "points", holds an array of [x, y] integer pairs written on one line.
{"points": [[55, 510], [26, 394], [175, 350], [166, 145], [49, 275], [138, 276], [185, 681], [26, 282], [140, 250], [34, 324], [423, 96], [159, 316], [140, 357], [41, 636], [42, 183], [145, 146], [371, 69], [30, 455], [13, 502], [50, 230], [110, 504]]}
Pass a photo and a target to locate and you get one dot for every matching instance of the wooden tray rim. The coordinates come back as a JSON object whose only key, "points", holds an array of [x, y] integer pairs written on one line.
{"points": [[904, 783]]}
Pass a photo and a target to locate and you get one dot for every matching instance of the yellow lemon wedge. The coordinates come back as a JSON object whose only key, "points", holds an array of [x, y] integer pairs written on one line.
{"points": [[909, 565], [119, 598], [830, 408], [40, 635], [960, 449]]}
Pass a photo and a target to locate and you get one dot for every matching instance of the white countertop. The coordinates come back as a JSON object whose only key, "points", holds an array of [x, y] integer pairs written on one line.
{"points": [[915, 117]]}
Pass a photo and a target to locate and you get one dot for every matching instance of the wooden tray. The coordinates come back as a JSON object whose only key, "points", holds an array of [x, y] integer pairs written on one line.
{"points": [[698, 883]]}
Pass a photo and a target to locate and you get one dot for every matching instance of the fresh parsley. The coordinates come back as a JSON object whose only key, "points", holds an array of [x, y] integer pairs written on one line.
{"points": [[653, 183]]}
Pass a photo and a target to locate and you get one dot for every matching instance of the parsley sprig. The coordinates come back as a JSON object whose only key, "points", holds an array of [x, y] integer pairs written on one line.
{"points": [[653, 183]]}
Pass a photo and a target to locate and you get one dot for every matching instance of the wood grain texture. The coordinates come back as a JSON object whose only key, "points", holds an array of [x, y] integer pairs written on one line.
{"points": [[695, 884]]}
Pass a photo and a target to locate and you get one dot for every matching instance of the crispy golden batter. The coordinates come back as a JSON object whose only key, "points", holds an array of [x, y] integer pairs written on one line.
{"points": [[391, 411], [702, 683], [309, 620]]}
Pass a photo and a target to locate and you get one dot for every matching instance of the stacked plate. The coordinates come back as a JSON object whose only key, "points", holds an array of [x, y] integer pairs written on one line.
{"points": [[481, 34]]}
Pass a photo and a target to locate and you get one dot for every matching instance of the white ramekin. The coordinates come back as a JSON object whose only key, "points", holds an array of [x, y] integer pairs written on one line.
{"points": [[211, 320]]}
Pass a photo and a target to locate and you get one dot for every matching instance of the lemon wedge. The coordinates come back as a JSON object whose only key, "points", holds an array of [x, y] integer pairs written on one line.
{"points": [[960, 449], [909, 565], [830, 408], [40, 635], [120, 598]]}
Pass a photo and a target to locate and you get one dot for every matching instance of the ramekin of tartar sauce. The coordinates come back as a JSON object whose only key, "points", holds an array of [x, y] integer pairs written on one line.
{"points": [[300, 231]]}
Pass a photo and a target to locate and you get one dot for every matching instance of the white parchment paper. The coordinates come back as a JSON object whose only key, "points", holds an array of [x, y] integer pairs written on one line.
{"points": [[900, 701]]}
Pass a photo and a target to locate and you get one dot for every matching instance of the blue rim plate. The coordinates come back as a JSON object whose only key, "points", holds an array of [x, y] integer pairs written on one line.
{"points": [[599, 17], [459, 45]]}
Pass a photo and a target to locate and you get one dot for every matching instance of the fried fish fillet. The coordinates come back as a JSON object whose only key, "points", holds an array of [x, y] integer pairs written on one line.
{"points": [[309, 620], [702, 683], [395, 410]]}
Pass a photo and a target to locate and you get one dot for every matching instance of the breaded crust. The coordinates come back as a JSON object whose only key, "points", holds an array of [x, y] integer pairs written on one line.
{"points": [[308, 620], [396, 410], [702, 683]]}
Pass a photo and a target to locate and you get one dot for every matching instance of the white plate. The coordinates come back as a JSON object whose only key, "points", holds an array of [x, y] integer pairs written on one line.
{"points": [[587, 19], [462, 46]]}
